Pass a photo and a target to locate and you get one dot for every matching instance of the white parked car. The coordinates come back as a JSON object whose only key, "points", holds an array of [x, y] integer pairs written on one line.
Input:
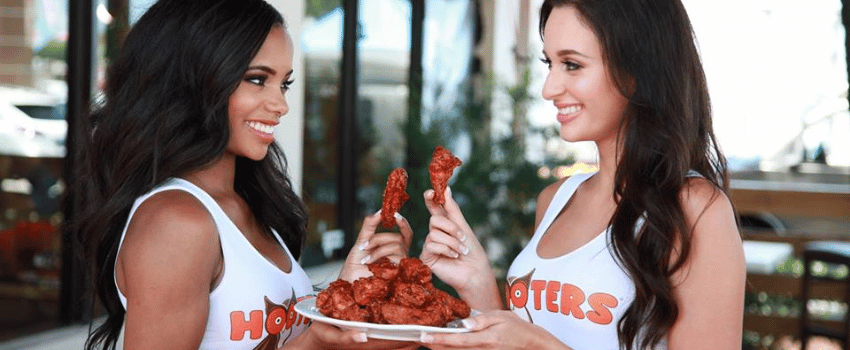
{"points": [[32, 123]]}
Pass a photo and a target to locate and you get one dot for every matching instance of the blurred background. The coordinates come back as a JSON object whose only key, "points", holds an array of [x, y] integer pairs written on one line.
{"points": [[380, 83]]}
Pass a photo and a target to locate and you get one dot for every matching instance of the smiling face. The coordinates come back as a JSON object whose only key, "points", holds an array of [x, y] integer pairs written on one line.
{"points": [[260, 98], [589, 105]]}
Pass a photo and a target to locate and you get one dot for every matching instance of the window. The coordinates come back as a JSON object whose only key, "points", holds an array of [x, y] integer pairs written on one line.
{"points": [[32, 150]]}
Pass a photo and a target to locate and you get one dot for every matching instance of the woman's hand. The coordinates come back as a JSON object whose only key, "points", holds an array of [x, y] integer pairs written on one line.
{"points": [[371, 246], [497, 329], [325, 336], [454, 254]]}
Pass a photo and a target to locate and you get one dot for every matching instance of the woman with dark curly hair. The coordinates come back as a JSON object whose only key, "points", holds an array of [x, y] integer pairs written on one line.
{"points": [[189, 222], [644, 253]]}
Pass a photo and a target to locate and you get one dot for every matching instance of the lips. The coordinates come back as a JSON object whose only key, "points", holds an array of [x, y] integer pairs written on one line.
{"points": [[260, 127], [569, 109], [568, 113]]}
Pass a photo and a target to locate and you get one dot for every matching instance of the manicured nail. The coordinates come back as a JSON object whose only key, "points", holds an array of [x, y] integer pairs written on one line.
{"points": [[462, 236], [468, 324], [464, 249], [361, 338], [425, 337], [455, 255], [363, 245], [397, 216], [365, 260]]}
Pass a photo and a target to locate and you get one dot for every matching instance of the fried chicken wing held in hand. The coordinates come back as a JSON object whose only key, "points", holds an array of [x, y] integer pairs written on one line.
{"points": [[394, 196], [443, 163]]}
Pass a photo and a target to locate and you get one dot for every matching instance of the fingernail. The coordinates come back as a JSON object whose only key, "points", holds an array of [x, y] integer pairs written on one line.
{"points": [[361, 338], [462, 236], [365, 260], [378, 213], [464, 249], [397, 216], [467, 323], [455, 255], [425, 337], [363, 245]]}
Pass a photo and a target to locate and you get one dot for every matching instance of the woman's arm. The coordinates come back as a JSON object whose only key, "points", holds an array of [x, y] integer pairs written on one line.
{"points": [[167, 266], [709, 288]]}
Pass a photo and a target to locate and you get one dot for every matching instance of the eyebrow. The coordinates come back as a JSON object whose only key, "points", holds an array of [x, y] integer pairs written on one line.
{"points": [[268, 69], [567, 52]]}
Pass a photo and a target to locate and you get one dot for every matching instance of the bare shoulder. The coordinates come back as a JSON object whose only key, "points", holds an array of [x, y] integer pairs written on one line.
{"points": [[168, 265], [169, 212], [171, 235], [700, 197]]}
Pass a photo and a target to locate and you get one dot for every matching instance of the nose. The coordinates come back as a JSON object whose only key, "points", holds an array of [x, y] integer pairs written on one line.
{"points": [[552, 86], [277, 103]]}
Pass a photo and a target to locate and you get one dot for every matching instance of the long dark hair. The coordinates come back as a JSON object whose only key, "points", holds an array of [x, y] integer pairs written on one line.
{"points": [[649, 49], [163, 115]]}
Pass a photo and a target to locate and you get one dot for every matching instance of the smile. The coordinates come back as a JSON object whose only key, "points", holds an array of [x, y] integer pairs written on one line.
{"points": [[569, 110], [568, 113], [260, 127]]}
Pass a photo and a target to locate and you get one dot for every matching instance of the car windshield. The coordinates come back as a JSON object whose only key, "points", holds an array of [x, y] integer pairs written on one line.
{"points": [[44, 112]]}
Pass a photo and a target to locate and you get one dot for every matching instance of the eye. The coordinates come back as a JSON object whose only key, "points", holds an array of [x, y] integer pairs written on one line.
{"points": [[259, 80], [547, 62], [287, 84], [569, 65]]}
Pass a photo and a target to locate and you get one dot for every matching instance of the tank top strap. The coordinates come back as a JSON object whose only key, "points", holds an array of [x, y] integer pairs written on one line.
{"points": [[559, 200], [237, 243]]}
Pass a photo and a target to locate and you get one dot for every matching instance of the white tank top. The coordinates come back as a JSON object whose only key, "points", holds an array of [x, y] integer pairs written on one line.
{"points": [[578, 297], [252, 307]]}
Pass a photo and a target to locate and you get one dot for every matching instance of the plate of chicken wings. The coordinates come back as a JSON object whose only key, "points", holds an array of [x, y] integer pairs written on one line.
{"points": [[400, 332], [398, 302]]}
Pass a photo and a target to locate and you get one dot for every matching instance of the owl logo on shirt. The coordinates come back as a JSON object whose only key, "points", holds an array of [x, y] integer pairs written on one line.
{"points": [[279, 323], [516, 294]]}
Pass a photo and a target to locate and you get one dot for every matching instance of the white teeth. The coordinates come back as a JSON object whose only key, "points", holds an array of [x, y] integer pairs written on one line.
{"points": [[263, 128], [569, 110]]}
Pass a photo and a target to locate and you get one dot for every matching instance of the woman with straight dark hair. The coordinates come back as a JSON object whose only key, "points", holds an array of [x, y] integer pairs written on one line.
{"points": [[189, 223], [644, 253]]}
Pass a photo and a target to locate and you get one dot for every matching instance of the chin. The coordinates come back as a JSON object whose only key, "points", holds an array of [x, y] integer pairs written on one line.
{"points": [[255, 155], [570, 137]]}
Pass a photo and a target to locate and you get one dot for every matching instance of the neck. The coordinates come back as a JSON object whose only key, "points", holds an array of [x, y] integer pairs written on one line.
{"points": [[609, 151], [217, 178]]}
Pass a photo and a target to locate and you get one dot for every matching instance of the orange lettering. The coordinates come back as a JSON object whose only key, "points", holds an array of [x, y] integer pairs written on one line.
{"points": [[518, 294], [291, 316], [238, 325], [571, 299], [552, 295], [537, 287], [600, 302], [276, 320]]}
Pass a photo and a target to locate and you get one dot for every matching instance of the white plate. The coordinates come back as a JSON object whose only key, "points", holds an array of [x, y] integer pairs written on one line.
{"points": [[402, 332]]}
